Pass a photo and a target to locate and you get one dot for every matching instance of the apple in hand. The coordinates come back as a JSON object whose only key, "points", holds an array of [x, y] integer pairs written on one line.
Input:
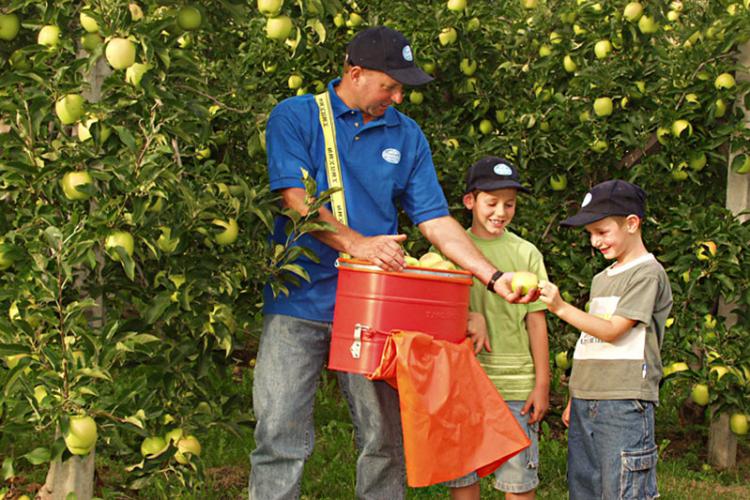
{"points": [[524, 281]]}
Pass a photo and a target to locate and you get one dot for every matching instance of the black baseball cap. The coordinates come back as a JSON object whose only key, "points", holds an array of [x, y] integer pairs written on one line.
{"points": [[385, 49], [491, 173], [615, 197]]}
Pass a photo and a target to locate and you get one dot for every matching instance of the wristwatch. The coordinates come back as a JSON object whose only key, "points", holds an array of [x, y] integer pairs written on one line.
{"points": [[493, 280]]}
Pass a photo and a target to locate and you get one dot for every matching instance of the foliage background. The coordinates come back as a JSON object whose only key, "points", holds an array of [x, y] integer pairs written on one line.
{"points": [[159, 339]]}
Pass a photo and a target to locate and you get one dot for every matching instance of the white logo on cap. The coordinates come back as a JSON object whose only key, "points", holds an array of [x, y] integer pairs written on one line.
{"points": [[502, 169], [406, 52], [392, 155], [586, 200]]}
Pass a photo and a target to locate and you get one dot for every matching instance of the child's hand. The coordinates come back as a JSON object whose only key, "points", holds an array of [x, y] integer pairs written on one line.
{"points": [[550, 295], [476, 330], [566, 414], [538, 403], [504, 289]]}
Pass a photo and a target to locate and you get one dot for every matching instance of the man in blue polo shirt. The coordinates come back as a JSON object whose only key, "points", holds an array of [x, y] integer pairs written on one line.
{"points": [[386, 164]]}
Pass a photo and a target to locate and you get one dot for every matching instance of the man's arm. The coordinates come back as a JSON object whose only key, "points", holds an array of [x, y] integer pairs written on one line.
{"points": [[607, 330], [453, 242], [384, 251]]}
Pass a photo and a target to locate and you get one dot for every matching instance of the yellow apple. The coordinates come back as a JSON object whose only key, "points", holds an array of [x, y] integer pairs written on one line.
{"points": [[71, 181], [230, 231], [603, 106], [430, 259], [120, 53], [279, 28], [679, 366], [633, 11], [447, 36], [602, 49], [700, 395], [411, 261], [189, 18], [10, 25], [48, 36], [69, 108], [569, 64], [270, 8], [88, 23], [738, 423], [724, 81], [524, 281], [81, 436], [680, 126], [456, 5], [121, 239]]}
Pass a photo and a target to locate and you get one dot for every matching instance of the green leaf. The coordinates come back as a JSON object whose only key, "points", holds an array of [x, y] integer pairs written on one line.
{"points": [[126, 137], [7, 469], [38, 456]]}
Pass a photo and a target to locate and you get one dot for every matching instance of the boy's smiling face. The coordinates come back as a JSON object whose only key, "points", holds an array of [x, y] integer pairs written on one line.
{"points": [[615, 237], [491, 211]]}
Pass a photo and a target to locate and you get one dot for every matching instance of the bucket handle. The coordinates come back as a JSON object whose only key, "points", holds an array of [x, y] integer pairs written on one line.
{"points": [[356, 347]]}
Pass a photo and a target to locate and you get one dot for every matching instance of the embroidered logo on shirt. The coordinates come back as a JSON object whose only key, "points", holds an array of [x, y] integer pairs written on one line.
{"points": [[502, 169], [392, 155], [586, 200], [406, 52]]}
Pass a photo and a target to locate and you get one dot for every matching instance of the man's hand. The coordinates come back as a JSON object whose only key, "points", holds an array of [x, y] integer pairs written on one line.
{"points": [[384, 251], [476, 330], [538, 403], [503, 289]]}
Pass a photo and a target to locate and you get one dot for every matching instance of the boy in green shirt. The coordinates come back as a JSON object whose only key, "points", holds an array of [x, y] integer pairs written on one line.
{"points": [[517, 358]]}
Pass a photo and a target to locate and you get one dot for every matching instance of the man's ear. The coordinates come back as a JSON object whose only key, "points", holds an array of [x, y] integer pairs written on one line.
{"points": [[469, 200]]}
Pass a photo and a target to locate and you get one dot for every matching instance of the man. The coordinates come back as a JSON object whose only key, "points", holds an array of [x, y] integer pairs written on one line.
{"points": [[385, 163]]}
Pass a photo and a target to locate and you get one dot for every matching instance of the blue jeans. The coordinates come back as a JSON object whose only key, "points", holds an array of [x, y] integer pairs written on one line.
{"points": [[612, 450], [291, 356]]}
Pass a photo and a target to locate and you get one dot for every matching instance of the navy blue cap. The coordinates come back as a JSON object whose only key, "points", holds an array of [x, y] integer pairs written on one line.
{"points": [[491, 173], [615, 197]]}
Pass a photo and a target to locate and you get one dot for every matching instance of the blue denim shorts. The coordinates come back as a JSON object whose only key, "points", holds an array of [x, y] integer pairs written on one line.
{"points": [[519, 474], [612, 450]]}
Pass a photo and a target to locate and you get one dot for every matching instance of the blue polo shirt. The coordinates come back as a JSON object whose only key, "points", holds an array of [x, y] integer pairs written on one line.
{"points": [[385, 164]]}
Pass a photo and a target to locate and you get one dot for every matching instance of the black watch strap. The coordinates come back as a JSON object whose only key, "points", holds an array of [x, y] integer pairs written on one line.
{"points": [[493, 280]]}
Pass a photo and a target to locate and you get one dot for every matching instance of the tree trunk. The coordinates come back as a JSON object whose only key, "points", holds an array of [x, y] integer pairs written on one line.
{"points": [[722, 443], [75, 475]]}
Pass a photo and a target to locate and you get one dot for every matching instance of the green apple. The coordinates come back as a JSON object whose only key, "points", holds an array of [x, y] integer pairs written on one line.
{"points": [[271, 8], [48, 36], [279, 27], [524, 281], [121, 239], [709, 321], [153, 446], [724, 81], [648, 25], [602, 49], [10, 25], [294, 82], [624, 102], [679, 366], [700, 395], [189, 18], [474, 24], [680, 126], [486, 127], [555, 37], [338, 20], [578, 30], [692, 99], [741, 164], [529, 4], [6, 258], [84, 130], [411, 261], [90, 41], [467, 66], [584, 116], [558, 182], [633, 11], [447, 36], [697, 161], [120, 53], [134, 73], [569, 64], [704, 247], [229, 233], [662, 135], [561, 360], [673, 15], [187, 446], [40, 392], [719, 370], [173, 436], [165, 242], [71, 181], [456, 5], [69, 108], [545, 50], [81, 436], [88, 23], [599, 146], [19, 61], [720, 108], [738, 423], [679, 173], [354, 20], [416, 97], [13, 360], [603, 106]]}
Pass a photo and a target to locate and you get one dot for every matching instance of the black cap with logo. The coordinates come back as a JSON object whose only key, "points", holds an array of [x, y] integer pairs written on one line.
{"points": [[385, 49], [615, 197], [491, 173]]}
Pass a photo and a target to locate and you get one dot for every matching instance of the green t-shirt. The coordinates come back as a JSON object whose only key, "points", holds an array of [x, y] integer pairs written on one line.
{"points": [[630, 367], [510, 365]]}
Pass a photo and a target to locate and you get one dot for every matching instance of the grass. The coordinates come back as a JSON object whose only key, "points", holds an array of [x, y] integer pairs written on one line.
{"points": [[330, 472]]}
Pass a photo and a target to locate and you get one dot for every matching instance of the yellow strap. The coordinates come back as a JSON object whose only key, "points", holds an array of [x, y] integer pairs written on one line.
{"points": [[333, 166]]}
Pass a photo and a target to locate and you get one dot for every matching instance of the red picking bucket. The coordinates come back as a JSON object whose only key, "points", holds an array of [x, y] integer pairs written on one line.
{"points": [[370, 301]]}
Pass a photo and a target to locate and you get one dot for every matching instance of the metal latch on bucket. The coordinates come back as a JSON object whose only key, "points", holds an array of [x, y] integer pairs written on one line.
{"points": [[356, 346]]}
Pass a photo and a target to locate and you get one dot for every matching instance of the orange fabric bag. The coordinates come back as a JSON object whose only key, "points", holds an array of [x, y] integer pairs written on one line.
{"points": [[454, 419]]}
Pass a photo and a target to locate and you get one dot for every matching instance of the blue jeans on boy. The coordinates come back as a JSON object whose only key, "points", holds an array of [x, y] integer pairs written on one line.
{"points": [[612, 450], [291, 356]]}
